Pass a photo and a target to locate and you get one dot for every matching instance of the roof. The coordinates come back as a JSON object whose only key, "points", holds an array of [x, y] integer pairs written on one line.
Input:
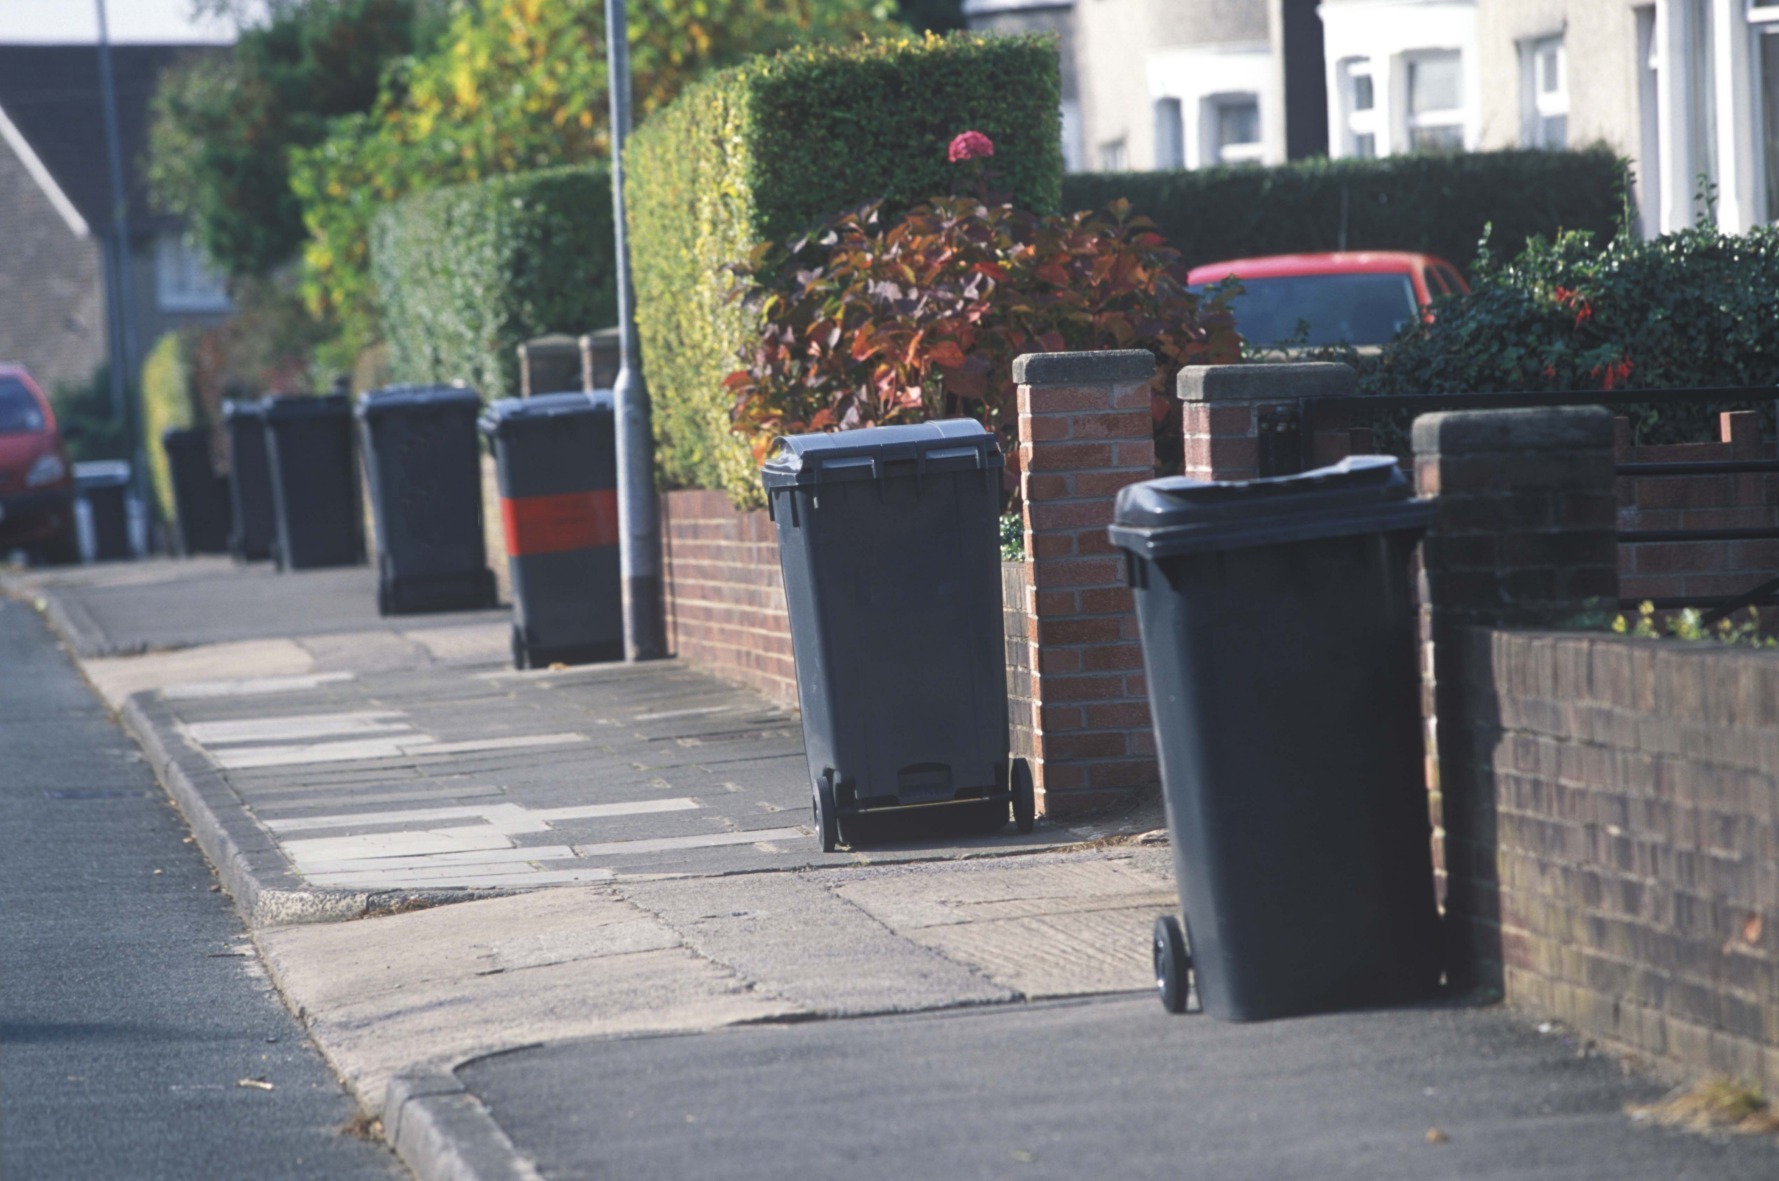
{"points": [[50, 94], [1281, 266]]}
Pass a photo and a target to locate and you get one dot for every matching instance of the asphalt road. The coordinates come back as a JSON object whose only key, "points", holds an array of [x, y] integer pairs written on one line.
{"points": [[131, 1006], [1097, 1088]]}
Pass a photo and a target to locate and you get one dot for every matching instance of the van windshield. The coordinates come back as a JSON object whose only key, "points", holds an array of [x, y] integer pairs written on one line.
{"points": [[19, 412], [1349, 309]]}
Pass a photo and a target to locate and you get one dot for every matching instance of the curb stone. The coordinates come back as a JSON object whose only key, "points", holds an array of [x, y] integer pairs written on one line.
{"points": [[248, 864], [444, 1133]]}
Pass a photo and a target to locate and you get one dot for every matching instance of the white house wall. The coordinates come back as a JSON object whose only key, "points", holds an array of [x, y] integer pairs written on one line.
{"points": [[1199, 74], [1385, 32]]}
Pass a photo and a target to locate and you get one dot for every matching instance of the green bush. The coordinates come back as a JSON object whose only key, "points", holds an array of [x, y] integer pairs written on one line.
{"points": [[759, 152], [465, 274], [1694, 308], [168, 402], [1436, 204]]}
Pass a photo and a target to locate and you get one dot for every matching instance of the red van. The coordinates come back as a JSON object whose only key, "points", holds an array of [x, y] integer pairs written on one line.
{"points": [[36, 477], [1358, 297]]}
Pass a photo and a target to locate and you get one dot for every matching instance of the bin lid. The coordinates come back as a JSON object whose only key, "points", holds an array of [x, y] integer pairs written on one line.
{"points": [[409, 398], [952, 445], [512, 411], [236, 408], [1178, 515], [101, 473], [306, 406], [188, 436]]}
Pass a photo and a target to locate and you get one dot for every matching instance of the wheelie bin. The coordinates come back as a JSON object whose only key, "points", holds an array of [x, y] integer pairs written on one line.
{"points": [[103, 485], [423, 463], [888, 541], [557, 463], [314, 482], [254, 522], [1279, 638], [200, 495]]}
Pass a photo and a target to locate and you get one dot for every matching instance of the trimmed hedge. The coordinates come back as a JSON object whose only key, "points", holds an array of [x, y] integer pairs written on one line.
{"points": [[465, 274], [169, 400], [1436, 204], [759, 152]]}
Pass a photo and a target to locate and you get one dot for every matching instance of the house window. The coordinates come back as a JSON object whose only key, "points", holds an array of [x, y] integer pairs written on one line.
{"points": [[1649, 160], [1764, 19], [1232, 127], [1113, 157], [1435, 102], [1544, 68], [1170, 134], [1360, 101], [183, 278]]}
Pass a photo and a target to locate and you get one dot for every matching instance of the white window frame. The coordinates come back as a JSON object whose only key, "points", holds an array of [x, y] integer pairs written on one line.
{"points": [[1538, 105], [1763, 22], [1215, 150], [1170, 132], [183, 278], [1357, 121], [1114, 155], [1442, 118]]}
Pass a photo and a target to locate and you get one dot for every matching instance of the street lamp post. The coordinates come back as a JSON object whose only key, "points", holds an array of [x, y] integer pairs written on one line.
{"points": [[639, 520], [123, 302]]}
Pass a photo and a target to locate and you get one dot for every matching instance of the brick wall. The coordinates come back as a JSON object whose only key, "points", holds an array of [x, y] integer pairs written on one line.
{"points": [[1634, 792], [55, 298], [1665, 570], [1084, 432], [725, 592]]}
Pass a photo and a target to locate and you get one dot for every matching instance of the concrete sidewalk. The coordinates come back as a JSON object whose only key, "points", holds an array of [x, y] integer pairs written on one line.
{"points": [[626, 855]]}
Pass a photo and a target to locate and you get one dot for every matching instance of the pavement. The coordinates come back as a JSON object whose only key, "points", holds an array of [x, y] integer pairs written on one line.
{"points": [[530, 917]]}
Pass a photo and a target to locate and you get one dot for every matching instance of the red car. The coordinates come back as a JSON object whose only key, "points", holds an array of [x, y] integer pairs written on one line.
{"points": [[36, 477], [1360, 297]]}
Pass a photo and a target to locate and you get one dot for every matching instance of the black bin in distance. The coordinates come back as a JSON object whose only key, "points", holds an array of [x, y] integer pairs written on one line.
{"points": [[253, 528], [557, 462], [1279, 638], [888, 539], [424, 466], [314, 482], [104, 484], [200, 494]]}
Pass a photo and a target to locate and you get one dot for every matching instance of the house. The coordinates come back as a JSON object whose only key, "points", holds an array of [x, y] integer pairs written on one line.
{"points": [[1687, 90], [1179, 83], [57, 264]]}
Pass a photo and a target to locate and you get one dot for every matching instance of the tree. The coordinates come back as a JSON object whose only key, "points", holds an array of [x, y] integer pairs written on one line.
{"points": [[516, 85], [223, 125]]}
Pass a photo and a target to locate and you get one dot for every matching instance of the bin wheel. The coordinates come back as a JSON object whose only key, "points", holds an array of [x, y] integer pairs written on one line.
{"points": [[1025, 799], [520, 655], [1173, 964], [827, 817]]}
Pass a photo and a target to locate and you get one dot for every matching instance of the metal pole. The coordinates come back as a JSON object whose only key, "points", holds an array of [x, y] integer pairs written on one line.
{"points": [[639, 520], [125, 272]]}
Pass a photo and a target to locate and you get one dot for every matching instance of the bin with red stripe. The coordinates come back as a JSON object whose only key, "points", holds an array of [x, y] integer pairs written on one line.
{"points": [[556, 456]]}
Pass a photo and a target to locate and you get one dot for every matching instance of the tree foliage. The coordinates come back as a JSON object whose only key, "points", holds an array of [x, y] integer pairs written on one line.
{"points": [[516, 85], [867, 324], [223, 124]]}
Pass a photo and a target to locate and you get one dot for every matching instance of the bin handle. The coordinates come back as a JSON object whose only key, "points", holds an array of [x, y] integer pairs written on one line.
{"points": [[850, 462]]}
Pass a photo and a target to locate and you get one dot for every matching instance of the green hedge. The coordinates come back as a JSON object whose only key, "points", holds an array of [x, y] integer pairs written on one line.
{"points": [[465, 274], [761, 151], [1435, 204], [169, 401]]}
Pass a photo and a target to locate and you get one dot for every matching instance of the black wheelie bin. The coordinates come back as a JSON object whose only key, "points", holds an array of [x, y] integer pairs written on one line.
{"points": [[424, 466], [254, 522], [103, 485], [557, 461], [200, 495], [1279, 638], [888, 538], [314, 481]]}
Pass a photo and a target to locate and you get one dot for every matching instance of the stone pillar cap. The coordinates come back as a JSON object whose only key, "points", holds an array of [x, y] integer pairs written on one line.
{"points": [[1107, 367], [1532, 428], [1266, 382]]}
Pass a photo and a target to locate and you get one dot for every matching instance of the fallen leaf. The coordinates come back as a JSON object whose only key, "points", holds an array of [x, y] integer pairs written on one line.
{"points": [[557, 667], [1435, 1136], [258, 1084]]}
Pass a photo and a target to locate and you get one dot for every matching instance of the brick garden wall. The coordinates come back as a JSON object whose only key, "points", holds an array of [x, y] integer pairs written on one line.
{"points": [[725, 592], [1665, 570], [1634, 791]]}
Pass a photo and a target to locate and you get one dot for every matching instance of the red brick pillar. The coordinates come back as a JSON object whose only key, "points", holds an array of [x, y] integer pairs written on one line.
{"points": [[1084, 432], [1524, 532], [1235, 414]]}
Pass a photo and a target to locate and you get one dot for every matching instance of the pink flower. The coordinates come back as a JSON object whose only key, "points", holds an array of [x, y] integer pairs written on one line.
{"points": [[970, 145]]}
